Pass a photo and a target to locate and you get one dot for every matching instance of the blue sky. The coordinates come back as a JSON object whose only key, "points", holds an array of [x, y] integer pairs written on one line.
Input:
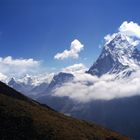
{"points": [[40, 29]]}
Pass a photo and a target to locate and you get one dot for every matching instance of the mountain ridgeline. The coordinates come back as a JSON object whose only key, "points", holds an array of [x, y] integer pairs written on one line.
{"points": [[119, 56]]}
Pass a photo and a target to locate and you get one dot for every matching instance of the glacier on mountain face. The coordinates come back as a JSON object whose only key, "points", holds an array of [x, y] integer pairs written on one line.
{"points": [[119, 56]]}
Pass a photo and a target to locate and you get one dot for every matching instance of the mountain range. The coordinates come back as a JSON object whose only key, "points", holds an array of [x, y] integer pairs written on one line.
{"points": [[119, 57]]}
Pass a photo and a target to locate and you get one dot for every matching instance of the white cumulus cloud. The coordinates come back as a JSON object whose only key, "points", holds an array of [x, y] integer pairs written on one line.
{"points": [[18, 62], [130, 28], [109, 37], [73, 52], [16, 67], [75, 68]]}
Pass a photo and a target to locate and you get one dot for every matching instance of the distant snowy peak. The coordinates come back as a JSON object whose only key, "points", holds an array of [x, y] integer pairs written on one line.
{"points": [[58, 80], [12, 82], [36, 80], [31, 84], [119, 56], [27, 80]]}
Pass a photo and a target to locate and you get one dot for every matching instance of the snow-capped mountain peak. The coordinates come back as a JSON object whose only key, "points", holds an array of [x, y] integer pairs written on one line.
{"points": [[119, 56], [27, 80], [58, 80], [31, 84]]}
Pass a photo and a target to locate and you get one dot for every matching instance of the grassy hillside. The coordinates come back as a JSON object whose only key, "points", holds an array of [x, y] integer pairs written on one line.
{"points": [[24, 119]]}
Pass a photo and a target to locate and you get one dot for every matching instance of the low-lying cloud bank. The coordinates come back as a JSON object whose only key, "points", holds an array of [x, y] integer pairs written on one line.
{"points": [[85, 88]]}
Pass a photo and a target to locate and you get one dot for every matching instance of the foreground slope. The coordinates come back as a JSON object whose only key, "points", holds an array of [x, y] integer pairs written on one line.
{"points": [[22, 118]]}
